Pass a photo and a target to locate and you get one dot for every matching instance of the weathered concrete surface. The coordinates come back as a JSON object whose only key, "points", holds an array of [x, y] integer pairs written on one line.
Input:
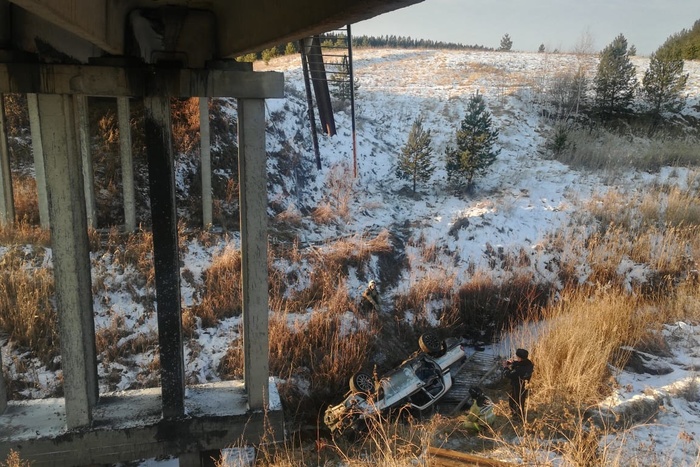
{"points": [[71, 256], [252, 174], [128, 426]]}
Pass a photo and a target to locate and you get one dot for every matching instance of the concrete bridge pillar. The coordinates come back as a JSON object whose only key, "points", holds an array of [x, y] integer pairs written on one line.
{"points": [[7, 202], [124, 113], [82, 125], [205, 164], [71, 258], [38, 154], [252, 176]]}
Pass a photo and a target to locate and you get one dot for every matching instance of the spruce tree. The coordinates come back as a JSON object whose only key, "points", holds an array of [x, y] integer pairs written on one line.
{"points": [[475, 151], [664, 82], [506, 43], [415, 161], [616, 80]]}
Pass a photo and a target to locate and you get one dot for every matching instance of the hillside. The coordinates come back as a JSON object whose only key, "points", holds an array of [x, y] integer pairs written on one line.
{"points": [[444, 260]]}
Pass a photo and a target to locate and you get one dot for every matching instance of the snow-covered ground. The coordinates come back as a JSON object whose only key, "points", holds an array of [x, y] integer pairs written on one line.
{"points": [[523, 198]]}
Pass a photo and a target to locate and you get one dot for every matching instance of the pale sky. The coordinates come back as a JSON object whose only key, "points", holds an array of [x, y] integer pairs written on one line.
{"points": [[558, 24]]}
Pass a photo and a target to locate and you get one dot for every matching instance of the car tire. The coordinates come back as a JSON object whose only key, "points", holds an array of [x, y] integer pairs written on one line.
{"points": [[431, 344], [362, 382]]}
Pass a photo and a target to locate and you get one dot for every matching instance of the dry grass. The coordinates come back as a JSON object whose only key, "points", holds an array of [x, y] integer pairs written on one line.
{"points": [[420, 295], [599, 149], [27, 314], [221, 297], [13, 460], [23, 233], [575, 339], [25, 198]]}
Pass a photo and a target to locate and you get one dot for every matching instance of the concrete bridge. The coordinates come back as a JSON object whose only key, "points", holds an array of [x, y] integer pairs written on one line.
{"points": [[58, 52]]}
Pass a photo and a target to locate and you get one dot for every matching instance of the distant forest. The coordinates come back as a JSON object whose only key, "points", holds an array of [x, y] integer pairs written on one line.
{"points": [[684, 44], [333, 39], [401, 42]]}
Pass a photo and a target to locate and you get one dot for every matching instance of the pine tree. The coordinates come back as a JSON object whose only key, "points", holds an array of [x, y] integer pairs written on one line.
{"points": [[541, 49], [475, 140], [506, 43], [664, 81], [415, 161], [616, 80], [269, 54]]}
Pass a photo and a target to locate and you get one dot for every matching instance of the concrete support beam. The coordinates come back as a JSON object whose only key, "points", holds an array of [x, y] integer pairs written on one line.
{"points": [[124, 114], [38, 153], [7, 201], [205, 161], [127, 426], [105, 81], [82, 129], [98, 22], [253, 201], [70, 245], [161, 174]]}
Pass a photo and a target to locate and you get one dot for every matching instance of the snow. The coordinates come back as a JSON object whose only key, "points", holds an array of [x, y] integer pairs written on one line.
{"points": [[521, 200]]}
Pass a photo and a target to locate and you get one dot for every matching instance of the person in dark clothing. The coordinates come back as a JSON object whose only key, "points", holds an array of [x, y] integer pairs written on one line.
{"points": [[370, 298], [519, 371]]}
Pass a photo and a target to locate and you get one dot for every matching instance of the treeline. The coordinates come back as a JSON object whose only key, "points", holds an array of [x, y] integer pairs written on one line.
{"points": [[402, 42], [340, 40], [685, 44]]}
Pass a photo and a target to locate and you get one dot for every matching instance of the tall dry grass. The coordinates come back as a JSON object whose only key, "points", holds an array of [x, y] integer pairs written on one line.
{"points": [[27, 314], [574, 340], [221, 294], [597, 148]]}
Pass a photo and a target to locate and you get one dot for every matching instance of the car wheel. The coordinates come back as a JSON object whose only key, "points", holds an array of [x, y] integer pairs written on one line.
{"points": [[362, 382], [430, 343]]}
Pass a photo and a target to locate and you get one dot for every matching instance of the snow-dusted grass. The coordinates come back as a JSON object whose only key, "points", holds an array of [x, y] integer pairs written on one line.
{"points": [[532, 231]]}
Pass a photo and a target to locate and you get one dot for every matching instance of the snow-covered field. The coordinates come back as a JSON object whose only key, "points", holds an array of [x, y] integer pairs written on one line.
{"points": [[523, 198]]}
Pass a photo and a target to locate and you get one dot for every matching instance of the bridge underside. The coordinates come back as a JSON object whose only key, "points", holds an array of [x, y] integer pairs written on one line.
{"points": [[60, 51]]}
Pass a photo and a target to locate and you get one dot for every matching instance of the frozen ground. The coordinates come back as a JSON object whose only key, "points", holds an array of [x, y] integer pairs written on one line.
{"points": [[522, 199]]}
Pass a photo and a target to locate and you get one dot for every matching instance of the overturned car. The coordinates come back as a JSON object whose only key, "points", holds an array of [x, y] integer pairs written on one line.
{"points": [[418, 383]]}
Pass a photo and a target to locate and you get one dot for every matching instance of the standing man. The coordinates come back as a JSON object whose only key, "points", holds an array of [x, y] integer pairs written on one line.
{"points": [[370, 298], [519, 370]]}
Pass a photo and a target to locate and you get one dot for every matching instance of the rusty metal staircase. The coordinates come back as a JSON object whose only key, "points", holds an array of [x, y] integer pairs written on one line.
{"points": [[327, 66]]}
